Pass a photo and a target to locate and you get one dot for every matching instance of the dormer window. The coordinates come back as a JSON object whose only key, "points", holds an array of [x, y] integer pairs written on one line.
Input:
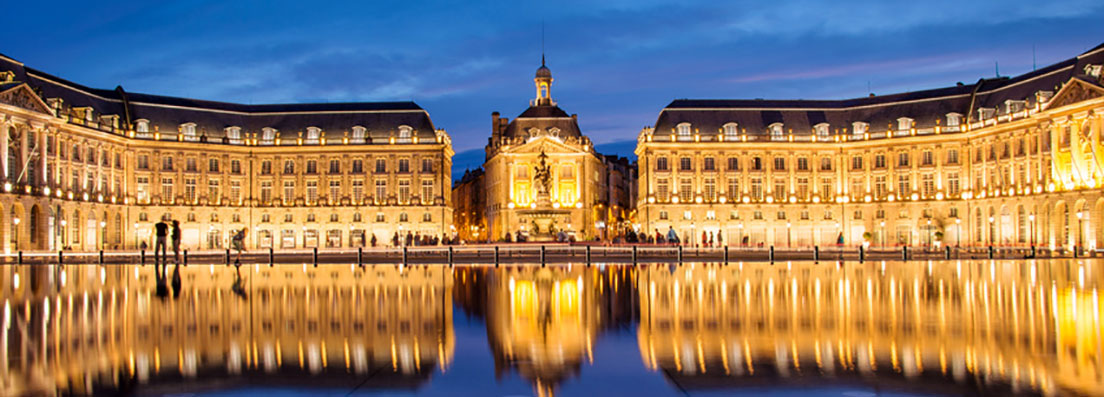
{"points": [[1043, 96], [268, 136], [142, 126], [859, 128], [359, 133], [821, 131], [554, 131], [904, 124], [683, 131], [731, 130], [1014, 106], [233, 133], [188, 130], [313, 134], [986, 113], [775, 131], [954, 119], [405, 132], [88, 114]]}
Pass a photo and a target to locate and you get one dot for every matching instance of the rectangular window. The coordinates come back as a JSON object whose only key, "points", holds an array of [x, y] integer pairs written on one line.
{"points": [[952, 183], [335, 190], [289, 167], [235, 166], [757, 189], [190, 165], [235, 192], [143, 189], [166, 164], [358, 166], [661, 164], [312, 192], [733, 189], [167, 190], [661, 190], [212, 165], [289, 191], [903, 159], [266, 192], [213, 192], [827, 193], [880, 191], [427, 191], [733, 164], [190, 189], [802, 164], [879, 161], [381, 191], [266, 167], [803, 188], [779, 164], [856, 162], [903, 185], [710, 190], [381, 165], [825, 163], [358, 190], [312, 167], [404, 165], [952, 156], [143, 161], [427, 166], [685, 164], [780, 189], [335, 166], [858, 190], [927, 184], [404, 191], [708, 164], [926, 158]]}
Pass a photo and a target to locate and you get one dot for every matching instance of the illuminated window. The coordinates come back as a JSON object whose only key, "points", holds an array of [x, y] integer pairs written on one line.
{"points": [[405, 134], [661, 164], [313, 135], [427, 191], [404, 191], [730, 131], [683, 131], [776, 133], [289, 191], [686, 192]]}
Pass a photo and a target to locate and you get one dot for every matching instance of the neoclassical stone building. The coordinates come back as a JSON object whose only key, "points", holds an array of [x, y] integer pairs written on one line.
{"points": [[542, 176], [1004, 161], [87, 168]]}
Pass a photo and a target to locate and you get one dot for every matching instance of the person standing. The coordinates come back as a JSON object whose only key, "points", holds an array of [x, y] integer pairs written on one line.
{"points": [[161, 230], [176, 240], [237, 242]]}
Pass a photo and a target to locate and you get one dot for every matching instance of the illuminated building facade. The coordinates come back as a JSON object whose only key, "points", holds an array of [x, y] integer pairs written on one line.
{"points": [[542, 175], [1030, 328], [88, 168], [1004, 161], [87, 330]]}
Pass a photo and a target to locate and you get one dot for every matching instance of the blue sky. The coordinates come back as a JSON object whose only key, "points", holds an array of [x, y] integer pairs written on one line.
{"points": [[616, 62]]}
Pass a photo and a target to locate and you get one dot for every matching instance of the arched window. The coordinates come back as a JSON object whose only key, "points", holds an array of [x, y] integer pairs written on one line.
{"points": [[859, 128], [405, 133], [776, 131], [233, 133], [821, 131], [313, 135], [359, 133], [731, 131], [268, 136], [142, 126], [189, 131], [683, 131]]}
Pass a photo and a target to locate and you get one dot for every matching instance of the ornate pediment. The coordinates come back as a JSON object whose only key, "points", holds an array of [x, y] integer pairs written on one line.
{"points": [[23, 96], [546, 144], [1076, 90]]}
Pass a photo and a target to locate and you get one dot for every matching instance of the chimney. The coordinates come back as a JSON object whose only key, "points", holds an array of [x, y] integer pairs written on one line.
{"points": [[494, 124]]}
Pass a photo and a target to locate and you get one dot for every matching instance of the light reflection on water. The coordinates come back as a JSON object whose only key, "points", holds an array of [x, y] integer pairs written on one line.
{"points": [[969, 327]]}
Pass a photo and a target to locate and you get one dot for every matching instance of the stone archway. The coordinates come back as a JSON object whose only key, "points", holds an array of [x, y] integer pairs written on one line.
{"points": [[36, 229], [17, 224], [1080, 222]]}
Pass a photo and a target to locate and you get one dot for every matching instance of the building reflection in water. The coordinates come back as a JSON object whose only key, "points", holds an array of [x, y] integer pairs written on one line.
{"points": [[1017, 327], [543, 322], [105, 329]]}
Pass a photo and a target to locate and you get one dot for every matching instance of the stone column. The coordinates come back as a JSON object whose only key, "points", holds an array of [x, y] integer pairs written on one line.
{"points": [[43, 133], [4, 131]]}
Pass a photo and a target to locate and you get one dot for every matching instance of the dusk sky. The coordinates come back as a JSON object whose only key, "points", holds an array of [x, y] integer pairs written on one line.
{"points": [[616, 63]]}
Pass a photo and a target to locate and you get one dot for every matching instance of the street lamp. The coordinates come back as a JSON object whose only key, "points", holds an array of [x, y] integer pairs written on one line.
{"points": [[788, 235], [16, 222], [958, 232], [931, 236], [1080, 230], [103, 237], [882, 237], [62, 234], [991, 231]]}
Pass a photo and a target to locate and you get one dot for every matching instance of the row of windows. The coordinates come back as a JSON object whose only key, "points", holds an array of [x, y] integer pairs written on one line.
{"points": [[289, 218], [903, 159], [801, 189], [269, 134], [356, 166], [804, 215], [311, 194]]}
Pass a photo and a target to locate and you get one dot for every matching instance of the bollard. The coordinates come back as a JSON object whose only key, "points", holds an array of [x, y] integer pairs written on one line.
{"points": [[185, 257], [143, 257], [314, 255], [634, 255], [588, 255], [816, 253], [360, 255], [947, 252], [1032, 251], [496, 256], [21, 257], [1076, 251], [227, 257], [271, 257], [726, 254], [542, 255], [450, 256], [862, 254], [61, 258], [770, 255], [904, 253], [991, 252], [404, 255], [680, 254]]}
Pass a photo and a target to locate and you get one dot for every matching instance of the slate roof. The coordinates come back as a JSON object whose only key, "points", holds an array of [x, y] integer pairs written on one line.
{"points": [[543, 117], [381, 119], [927, 108]]}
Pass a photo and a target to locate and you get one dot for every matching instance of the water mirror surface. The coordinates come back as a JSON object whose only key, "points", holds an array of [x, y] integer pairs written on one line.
{"points": [[876, 328]]}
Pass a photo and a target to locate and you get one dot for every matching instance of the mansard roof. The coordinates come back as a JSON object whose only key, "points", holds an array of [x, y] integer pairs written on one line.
{"points": [[544, 118], [928, 108], [166, 114]]}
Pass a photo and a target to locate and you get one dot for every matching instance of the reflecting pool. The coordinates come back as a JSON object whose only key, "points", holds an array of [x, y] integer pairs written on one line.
{"points": [[877, 328]]}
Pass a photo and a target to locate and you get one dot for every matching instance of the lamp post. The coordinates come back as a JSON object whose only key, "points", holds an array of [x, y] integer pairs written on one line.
{"points": [[62, 235], [16, 222], [883, 236], [1080, 230], [931, 235], [103, 235], [789, 235], [958, 232]]}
